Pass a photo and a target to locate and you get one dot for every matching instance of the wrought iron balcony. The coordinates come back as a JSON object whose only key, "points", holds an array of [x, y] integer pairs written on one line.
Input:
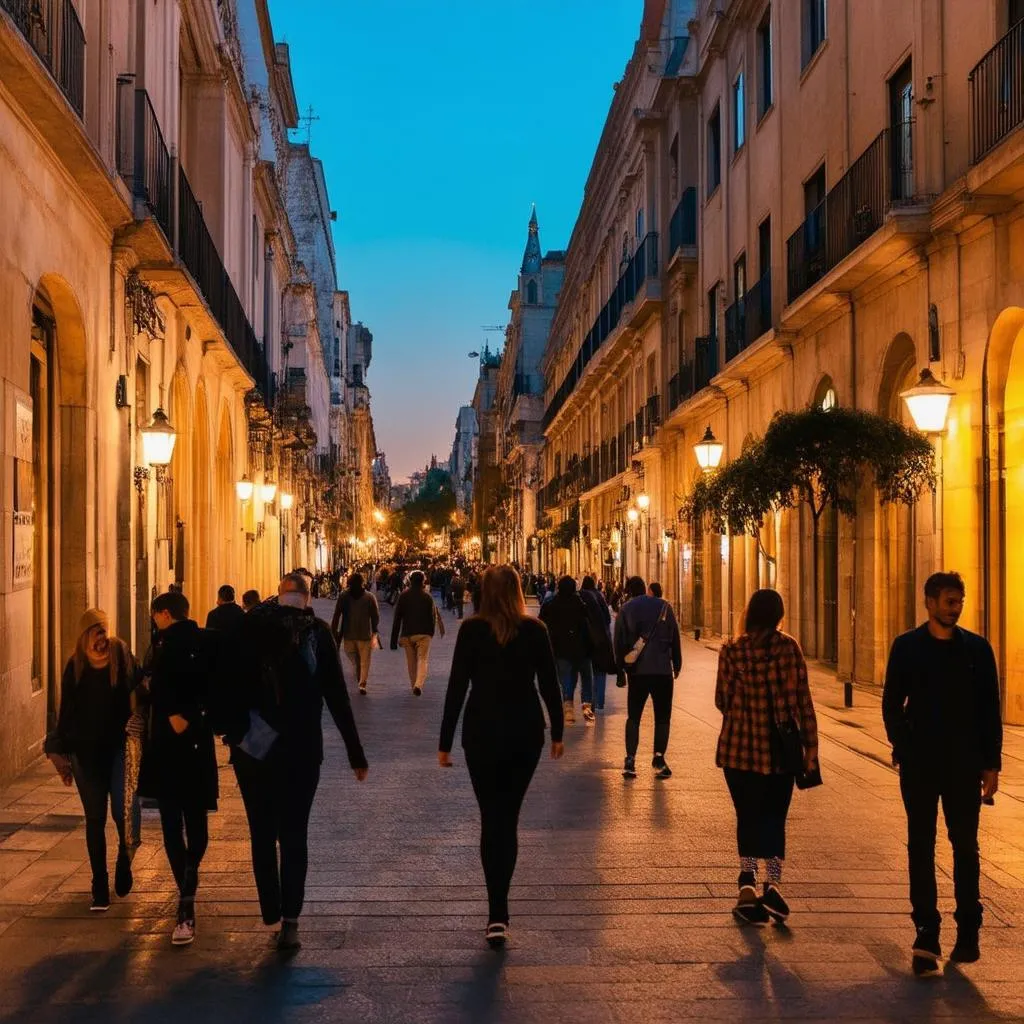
{"points": [[853, 210], [705, 363], [52, 29], [996, 91], [143, 160], [748, 317], [682, 228]]}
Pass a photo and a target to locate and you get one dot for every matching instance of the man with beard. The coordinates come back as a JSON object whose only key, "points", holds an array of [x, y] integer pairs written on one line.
{"points": [[942, 716]]}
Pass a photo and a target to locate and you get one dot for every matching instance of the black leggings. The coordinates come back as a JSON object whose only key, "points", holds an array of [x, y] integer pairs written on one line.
{"points": [[500, 782], [762, 803], [99, 776], [278, 796], [659, 689], [186, 836]]}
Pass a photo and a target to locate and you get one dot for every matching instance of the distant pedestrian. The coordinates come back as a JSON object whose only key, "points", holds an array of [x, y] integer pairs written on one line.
{"points": [[227, 614], [649, 650], [602, 655], [654, 590], [250, 599], [458, 591], [97, 744], [501, 658], [180, 766], [764, 697], [565, 615], [286, 668], [415, 621], [942, 716], [355, 623]]}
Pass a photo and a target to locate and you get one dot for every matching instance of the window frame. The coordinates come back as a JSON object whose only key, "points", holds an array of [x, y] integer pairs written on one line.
{"points": [[713, 152], [813, 16], [739, 112], [765, 67]]}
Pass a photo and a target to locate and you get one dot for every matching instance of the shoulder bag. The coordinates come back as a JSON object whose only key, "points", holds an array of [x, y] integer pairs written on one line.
{"points": [[633, 654], [787, 748]]}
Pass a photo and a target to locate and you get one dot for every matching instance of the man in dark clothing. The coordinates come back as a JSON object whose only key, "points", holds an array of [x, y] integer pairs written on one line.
{"points": [[179, 769], [227, 613], [648, 647], [250, 599], [941, 707], [602, 656], [458, 592], [565, 615], [285, 668], [416, 618]]}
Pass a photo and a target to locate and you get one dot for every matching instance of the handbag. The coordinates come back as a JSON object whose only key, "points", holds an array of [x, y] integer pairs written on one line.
{"points": [[633, 654], [787, 748]]}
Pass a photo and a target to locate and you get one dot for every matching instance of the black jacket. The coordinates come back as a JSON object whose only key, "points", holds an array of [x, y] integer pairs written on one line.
{"points": [[180, 768], [503, 714], [225, 616], [565, 615], [641, 617], [415, 614], [914, 709], [285, 666]]}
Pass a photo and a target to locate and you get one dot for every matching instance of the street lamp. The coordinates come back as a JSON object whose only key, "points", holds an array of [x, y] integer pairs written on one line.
{"points": [[244, 488], [287, 500], [708, 451], [928, 403], [643, 501], [158, 439], [268, 490], [633, 515]]}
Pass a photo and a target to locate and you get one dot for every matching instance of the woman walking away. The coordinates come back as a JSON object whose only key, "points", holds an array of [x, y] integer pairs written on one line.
{"points": [[356, 618], [96, 744], [416, 618], [499, 654], [565, 615], [763, 695]]}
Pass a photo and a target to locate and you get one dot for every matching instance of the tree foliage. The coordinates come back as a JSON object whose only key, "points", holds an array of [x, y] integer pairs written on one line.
{"points": [[818, 457], [566, 533], [434, 505]]}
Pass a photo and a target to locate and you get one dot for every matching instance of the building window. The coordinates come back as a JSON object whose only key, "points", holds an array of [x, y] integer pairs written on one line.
{"points": [[739, 277], [673, 155], [714, 150], [531, 293], [764, 64], [639, 226], [901, 132], [713, 312], [764, 246], [813, 34], [357, 374], [739, 114]]}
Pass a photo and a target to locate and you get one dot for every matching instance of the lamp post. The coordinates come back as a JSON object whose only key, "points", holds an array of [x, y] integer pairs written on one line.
{"points": [[158, 439], [709, 451]]}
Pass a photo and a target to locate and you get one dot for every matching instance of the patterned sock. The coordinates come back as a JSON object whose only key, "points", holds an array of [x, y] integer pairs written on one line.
{"points": [[749, 864], [774, 865]]}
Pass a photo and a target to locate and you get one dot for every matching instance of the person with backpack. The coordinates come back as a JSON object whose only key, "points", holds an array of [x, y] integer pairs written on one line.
{"points": [[649, 650], [602, 655], [285, 669], [565, 615], [179, 769], [416, 619], [355, 623], [769, 737]]}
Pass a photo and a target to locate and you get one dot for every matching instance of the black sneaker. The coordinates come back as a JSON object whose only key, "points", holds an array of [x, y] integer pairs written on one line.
{"points": [[100, 897], [774, 902], [416, 691], [927, 952], [629, 768], [748, 909], [288, 937], [496, 934], [661, 770], [966, 950], [123, 880]]}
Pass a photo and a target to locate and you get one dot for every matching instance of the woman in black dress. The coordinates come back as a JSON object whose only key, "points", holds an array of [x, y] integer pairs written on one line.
{"points": [[501, 658]]}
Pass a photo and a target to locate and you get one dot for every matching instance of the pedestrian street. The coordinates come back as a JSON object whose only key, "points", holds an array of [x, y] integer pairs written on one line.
{"points": [[620, 905]]}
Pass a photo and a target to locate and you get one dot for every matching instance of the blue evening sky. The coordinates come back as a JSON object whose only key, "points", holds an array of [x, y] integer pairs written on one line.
{"points": [[441, 121]]}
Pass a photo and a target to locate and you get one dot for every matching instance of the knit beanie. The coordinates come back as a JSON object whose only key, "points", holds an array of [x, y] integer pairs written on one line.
{"points": [[93, 617]]}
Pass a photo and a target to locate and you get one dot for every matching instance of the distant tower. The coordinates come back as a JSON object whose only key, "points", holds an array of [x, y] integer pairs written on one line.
{"points": [[529, 281]]}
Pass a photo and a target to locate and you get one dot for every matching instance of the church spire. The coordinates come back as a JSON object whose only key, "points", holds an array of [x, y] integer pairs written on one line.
{"points": [[531, 257]]}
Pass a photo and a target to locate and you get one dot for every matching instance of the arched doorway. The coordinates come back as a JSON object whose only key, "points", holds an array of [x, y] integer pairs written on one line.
{"points": [[202, 517], [825, 555]]}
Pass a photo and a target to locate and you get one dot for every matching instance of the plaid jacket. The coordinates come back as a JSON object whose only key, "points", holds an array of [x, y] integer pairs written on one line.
{"points": [[744, 675]]}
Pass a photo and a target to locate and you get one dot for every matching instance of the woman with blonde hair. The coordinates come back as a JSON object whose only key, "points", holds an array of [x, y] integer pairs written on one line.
{"points": [[501, 658], [97, 744]]}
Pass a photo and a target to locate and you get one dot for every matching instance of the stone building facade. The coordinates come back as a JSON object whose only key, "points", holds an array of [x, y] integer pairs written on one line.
{"points": [[147, 261], [799, 203]]}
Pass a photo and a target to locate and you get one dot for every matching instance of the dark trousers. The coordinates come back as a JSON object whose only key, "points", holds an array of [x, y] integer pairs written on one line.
{"points": [[99, 777], [278, 796], [960, 793], [659, 689], [500, 782], [186, 836], [762, 803]]}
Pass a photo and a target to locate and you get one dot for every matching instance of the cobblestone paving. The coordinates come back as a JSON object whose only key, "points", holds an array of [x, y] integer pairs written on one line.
{"points": [[620, 904]]}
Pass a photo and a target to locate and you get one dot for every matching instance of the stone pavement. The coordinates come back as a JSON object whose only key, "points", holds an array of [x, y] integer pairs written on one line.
{"points": [[620, 904]]}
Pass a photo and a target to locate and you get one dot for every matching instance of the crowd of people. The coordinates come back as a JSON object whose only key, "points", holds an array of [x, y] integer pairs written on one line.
{"points": [[259, 675]]}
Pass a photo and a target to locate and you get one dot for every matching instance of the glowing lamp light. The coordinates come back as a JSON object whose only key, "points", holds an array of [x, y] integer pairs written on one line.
{"points": [[928, 403], [244, 488], [287, 500], [643, 502], [378, 515], [708, 451], [371, 540], [158, 439], [632, 515], [268, 491]]}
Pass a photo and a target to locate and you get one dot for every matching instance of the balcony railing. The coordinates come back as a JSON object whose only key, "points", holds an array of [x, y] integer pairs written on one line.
{"points": [[53, 30], [748, 317], [640, 269], [996, 90], [853, 210], [705, 362], [682, 228], [143, 159]]}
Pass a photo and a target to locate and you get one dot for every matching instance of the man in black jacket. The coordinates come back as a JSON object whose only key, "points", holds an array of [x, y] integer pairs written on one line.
{"points": [[228, 613], [416, 618], [565, 615], [941, 708]]}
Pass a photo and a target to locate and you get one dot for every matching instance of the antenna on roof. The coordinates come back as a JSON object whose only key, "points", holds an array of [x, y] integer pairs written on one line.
{"points": [[306, 121]]}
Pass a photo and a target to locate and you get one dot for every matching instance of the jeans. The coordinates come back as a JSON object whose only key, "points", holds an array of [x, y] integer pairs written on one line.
{"points": [[99, 777], [567, 673], [186, 836], [417, 649], [359, 653], [762, 803], [500, 781], [278, 797], [959, 790], [600, 681], [659, 689]]}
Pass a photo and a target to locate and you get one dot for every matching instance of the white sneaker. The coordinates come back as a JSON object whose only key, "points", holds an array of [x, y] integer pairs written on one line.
{"points": [[568, 712], [588, 713], [184, 933]]}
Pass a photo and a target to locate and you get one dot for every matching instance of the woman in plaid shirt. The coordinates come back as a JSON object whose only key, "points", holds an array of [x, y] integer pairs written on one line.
{"points": [[762, 680]]}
